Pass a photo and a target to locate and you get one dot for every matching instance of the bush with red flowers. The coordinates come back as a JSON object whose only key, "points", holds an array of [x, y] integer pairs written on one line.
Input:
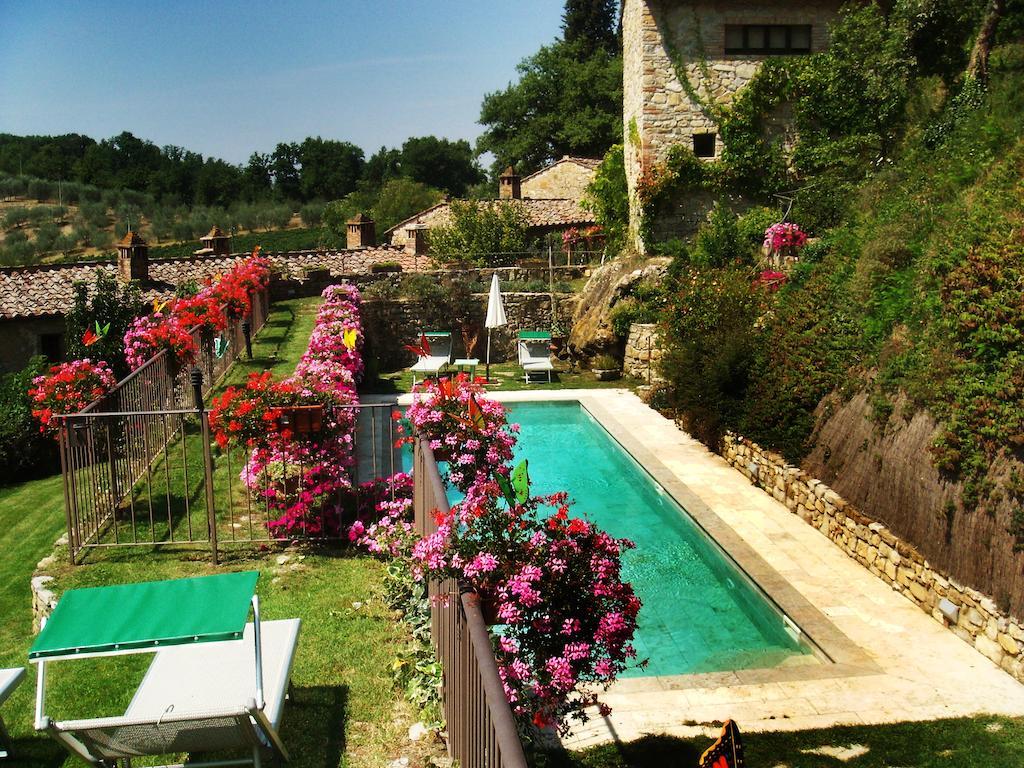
{"points": [[68, 388]]}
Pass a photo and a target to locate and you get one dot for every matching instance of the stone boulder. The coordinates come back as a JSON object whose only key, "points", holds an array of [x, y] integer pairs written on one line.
{"points": [[592, 333]]}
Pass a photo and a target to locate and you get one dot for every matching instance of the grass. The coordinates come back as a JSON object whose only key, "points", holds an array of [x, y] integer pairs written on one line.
{"points": [[505, 377], [346, 710], [981, 742]]}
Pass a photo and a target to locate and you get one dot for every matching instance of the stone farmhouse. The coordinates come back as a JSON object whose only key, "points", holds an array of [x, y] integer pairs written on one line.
{"points": [[550, 198], [34, 300], [718, 47]]}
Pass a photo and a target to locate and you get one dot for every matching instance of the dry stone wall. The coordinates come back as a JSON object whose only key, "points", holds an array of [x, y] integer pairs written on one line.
{"points": [[970, 615], [643, 352], [564, 180]]}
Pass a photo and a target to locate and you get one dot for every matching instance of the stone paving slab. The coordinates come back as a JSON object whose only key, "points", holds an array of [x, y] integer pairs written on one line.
{"points": [[895, 663]]}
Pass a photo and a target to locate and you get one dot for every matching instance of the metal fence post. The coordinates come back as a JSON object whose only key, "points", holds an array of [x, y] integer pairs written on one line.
{"points": [[204, 422]]}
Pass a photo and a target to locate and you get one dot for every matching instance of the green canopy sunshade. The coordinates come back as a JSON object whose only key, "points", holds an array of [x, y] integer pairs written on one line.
{"points": [[154, 614], [534, 335]]}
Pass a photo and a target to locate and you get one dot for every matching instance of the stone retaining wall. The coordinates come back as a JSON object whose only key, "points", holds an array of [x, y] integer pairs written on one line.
{"points": [[643, 352], [970, 615]]}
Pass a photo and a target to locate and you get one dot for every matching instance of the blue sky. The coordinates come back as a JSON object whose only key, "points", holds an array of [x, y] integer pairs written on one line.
{"points": [[230, 78]]}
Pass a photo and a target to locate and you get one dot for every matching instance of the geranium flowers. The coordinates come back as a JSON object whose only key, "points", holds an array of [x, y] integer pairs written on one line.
{"points": [[68, 388], [171, 325]]}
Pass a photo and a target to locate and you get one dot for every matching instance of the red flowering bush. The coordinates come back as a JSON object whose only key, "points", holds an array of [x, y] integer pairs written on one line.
{"points": [[150, 334], [201, 311], [68, 388], [303, 477], [784, 234]]}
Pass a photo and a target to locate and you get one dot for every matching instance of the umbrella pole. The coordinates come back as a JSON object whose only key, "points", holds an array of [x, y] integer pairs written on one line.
{"points": [[487, 375]]}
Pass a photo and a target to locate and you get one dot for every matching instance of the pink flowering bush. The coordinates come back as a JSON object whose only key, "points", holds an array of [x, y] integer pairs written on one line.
{"points": [[553, 582], [782, 235], [150, 334], [466, 429], [304, 478]]}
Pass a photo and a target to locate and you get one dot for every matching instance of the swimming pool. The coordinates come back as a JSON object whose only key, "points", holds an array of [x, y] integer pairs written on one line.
{"points": [[700, 613]]}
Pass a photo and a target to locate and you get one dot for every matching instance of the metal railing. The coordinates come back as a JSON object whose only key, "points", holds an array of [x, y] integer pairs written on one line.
{"points": [[481, 727], [151, 478]]}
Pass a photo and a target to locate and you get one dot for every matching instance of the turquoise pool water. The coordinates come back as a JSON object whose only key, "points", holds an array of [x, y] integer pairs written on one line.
{"points": [[699, 613]]}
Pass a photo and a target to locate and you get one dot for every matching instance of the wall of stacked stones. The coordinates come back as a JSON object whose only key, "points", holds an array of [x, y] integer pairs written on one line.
{"points": [[567, 181], [643, 352], [978, 620], [661, 106], [392, 324]]}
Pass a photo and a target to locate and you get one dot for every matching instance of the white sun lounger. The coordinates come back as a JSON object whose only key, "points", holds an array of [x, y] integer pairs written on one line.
{"points": [[196, 698], [439, 358], [215, 682], [534, 355], [9, 680]]}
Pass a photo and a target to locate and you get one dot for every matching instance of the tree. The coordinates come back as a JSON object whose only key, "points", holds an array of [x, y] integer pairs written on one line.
{"points": [[446, 165], [284, 166], [492, 234], [257, 180], [108, 302], [608, 197], [330, 169], [591, 23], [399, 199], [566, 102], [383, 164]]}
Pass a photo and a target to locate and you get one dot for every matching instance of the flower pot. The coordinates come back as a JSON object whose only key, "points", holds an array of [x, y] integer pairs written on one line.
{"points": [[302, 419], [607, 374]]}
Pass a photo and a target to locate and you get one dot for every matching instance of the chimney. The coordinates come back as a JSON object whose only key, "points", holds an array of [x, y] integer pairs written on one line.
{"points": [[416, 239], [362, 232], [509, 185], [217, 242], [133, 258]]}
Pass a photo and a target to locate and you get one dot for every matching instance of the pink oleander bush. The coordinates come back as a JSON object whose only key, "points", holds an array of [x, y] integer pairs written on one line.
{"points": [[304, 478], [784, 234], [552, 582], [467, 430]]}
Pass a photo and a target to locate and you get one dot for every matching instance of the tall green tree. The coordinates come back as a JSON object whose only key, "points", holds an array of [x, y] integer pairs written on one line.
{"points": [[329, 169], [440, 163], [105, 302], [568, 99], [591, 23]]}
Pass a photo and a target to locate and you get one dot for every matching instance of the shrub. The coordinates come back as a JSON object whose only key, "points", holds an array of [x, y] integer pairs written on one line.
{"points": [[484, 233], [25, 453], [312, 213], [608, 197]]}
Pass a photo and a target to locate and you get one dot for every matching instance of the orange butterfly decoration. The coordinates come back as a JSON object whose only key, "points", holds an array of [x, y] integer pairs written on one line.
{"points": [[89, 337], [446, 387], [158, 306], [475, 415]]}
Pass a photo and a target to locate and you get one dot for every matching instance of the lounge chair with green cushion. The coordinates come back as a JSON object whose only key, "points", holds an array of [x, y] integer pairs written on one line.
{"points": [[217, 682], [534, 353]]}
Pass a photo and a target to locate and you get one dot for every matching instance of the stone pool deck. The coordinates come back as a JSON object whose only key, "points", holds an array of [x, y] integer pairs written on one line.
{"points": [[887, 660]]}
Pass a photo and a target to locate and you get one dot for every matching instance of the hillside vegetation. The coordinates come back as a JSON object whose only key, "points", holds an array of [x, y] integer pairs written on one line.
{"points": [[890, 362]]}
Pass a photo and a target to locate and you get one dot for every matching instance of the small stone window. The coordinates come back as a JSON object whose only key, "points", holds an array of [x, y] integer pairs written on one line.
{"points": [[767, 39], [704, 144], [51, 346]]}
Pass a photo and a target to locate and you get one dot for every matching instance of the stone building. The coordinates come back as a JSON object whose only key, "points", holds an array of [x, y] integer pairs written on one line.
{"points": [[550, 198], [676, 49]]}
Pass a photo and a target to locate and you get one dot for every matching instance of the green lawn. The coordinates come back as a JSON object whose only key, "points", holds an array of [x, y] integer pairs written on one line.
{"points": [[506, 377], [346, 710]]}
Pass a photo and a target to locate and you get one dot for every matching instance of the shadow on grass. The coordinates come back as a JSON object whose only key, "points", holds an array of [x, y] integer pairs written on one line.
{"points": [[314, 725]]}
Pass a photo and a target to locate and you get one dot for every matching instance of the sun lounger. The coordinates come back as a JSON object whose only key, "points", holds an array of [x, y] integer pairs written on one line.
{"points": [[213, 684], [438, 358], [534, 355], [9, 680]]}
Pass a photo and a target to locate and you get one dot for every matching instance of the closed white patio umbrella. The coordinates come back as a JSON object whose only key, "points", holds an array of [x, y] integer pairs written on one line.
{"points": [[495, 316]]}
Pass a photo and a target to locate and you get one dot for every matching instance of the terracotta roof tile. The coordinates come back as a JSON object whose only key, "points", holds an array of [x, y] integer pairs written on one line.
{"points": [[49, 290]]}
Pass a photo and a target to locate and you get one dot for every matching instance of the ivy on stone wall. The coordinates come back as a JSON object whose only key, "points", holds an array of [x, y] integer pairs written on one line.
{"points": [[846, 105]]}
